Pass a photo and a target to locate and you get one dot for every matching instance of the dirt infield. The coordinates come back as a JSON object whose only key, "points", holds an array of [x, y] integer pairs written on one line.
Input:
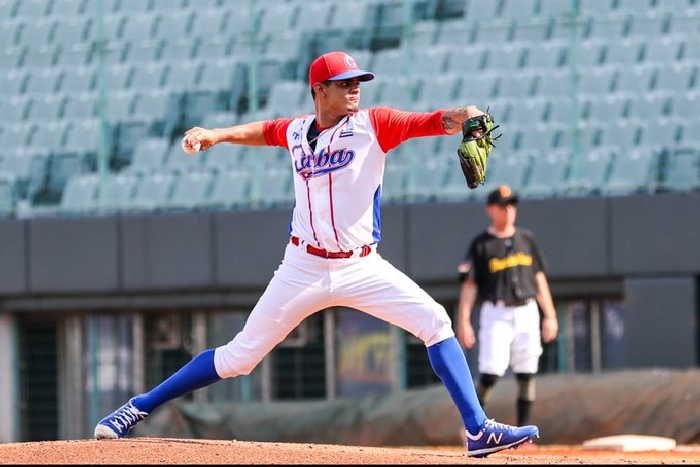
{"points": [[192, 451]]}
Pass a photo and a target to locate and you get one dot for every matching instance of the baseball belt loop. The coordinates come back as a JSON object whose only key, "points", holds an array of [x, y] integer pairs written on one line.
{"points": [[295, 241], [366, 250]]}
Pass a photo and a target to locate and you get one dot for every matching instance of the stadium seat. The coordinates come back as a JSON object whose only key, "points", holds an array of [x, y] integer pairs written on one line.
{"points": [[142, 52], [37, 32], [642, 107], [75, 55], [597, 82], [108, 7], [424, 34], [608, 108], [84, 136], [276, 186], [553, 84], [647, 25], [511, 170], [685, 106], [398, 93], [438, 91], [207, 23], [547, 175], [118, 76], [152, 192], [550, 8], [11, 57], [287, 95], [139, 27], [632, 171], [280, 17], [116, 191], [174, 24], [504, 58], [231, 188], [181, 49], [623, 53], [149, 155], [191, 190], [224, 157], [532, 30], [148, 76], [14, 109], [44, 81], [178, 161], [15, 135], [683, 26], [525, 111], [80, 105], [80, 194], [635, 81], [608, 28], [682, 171], [546, 57], [40, 57], [677, 78], [8, 196], [662, 132], [496, 31], [394, 185], [70, 30], [588, 173], [33, 8], [12, 82], [135, 7], [46, 107], [9, 32], [67, 8], [516, 85], [665, 50], [456, 31]]}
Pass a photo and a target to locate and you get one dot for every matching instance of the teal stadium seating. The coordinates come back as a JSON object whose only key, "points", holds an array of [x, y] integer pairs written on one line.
{"points": [[623, 73]]}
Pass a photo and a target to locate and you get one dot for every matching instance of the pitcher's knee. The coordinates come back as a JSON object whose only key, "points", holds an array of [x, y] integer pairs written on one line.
{"points": [[233, 359], [437, 328]]}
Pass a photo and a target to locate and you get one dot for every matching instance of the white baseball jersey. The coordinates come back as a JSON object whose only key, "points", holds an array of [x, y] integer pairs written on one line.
{"points": [[338, 190], [337, 187]]}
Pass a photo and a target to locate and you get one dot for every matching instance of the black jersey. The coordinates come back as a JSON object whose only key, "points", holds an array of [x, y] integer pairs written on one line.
{"points": [[503, 268]]}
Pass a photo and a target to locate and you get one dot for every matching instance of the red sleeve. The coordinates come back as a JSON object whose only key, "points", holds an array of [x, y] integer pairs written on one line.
{"points": [[275, 131], [393, 127]]}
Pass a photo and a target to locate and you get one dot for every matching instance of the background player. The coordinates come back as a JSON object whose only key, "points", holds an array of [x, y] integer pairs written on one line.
{"points": [[504, 269], [338, 156]]}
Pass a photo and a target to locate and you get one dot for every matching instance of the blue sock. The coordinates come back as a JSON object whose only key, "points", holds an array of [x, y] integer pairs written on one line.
{"points": [[199, 372], [449, 363]]}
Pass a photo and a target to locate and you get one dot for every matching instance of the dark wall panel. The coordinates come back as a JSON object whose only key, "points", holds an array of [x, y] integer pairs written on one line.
{"points": [[571, 234], [13, 251], [661, 322], [167, 251], [73, 255], [656, 234], [438, 237], [249, 246]]}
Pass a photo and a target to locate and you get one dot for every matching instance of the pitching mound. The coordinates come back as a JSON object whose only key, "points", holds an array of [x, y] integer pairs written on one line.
{"points": [[191, 451]]}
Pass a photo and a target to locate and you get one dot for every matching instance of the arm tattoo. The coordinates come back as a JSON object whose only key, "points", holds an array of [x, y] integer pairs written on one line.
{"points": [[453, 118]]}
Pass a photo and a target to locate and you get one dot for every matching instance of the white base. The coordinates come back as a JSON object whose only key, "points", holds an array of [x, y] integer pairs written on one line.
{"points": [[628, 443]]}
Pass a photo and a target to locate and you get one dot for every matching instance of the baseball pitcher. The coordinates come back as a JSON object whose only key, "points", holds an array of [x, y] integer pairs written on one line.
{"points": [[337, 155]]}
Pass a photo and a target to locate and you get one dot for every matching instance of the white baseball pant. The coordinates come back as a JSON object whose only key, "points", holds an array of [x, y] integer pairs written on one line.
{"points": [[304, 284], [509, 335]]}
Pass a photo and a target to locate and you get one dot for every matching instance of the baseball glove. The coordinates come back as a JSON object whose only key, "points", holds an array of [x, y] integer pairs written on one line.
{"points": [[474, 151]]}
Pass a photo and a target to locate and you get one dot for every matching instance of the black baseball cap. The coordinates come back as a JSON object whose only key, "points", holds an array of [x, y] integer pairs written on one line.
{"points": [[503, 196]]}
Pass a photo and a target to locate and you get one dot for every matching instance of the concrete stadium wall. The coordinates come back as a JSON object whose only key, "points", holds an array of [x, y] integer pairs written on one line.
{"points": [[587, 238]]}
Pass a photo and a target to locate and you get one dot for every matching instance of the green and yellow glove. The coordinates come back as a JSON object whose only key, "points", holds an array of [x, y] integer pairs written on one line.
{"points": [[474, 149]]}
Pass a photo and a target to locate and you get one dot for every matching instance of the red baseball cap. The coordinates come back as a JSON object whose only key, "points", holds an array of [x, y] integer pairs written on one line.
{"points": [[336, 66]]}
